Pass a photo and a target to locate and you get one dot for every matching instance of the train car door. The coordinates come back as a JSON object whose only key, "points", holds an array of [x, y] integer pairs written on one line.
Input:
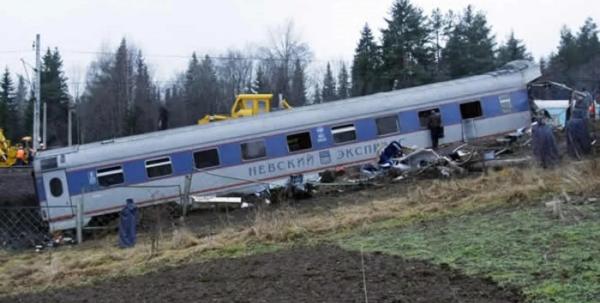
{"points": [[470, 112], [57, 195]]}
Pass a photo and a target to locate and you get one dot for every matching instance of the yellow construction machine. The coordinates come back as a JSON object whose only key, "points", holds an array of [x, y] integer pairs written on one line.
{"points": [[8, 152], [247, 105]]}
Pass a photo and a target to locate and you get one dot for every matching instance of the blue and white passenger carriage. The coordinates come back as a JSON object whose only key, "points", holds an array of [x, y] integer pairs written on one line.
{"points": [[241, 155]]}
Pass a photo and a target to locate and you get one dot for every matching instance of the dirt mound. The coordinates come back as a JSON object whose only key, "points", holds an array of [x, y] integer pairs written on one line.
{"points": [[319, 274]]}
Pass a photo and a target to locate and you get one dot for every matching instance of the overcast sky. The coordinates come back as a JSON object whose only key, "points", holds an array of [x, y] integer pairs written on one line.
{"points": [[178, 27]]}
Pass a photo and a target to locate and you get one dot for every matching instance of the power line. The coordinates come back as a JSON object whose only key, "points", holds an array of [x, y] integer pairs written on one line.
{"points": [[179, 56], [16, 51]]}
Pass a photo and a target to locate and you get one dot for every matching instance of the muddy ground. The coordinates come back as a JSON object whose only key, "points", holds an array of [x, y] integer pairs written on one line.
{"points": [[308, 274]]}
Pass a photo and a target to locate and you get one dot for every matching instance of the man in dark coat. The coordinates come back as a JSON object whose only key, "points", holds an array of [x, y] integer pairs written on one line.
{"points": [[579, 142], [544, 145], [434, 124], [127, 230]]}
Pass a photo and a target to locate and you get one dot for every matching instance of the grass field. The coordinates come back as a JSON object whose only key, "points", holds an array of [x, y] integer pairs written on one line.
{"points": [[553, 260], [490, 225]]}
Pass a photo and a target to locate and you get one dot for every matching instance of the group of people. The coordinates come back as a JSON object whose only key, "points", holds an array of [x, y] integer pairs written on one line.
{"points": [[577, 135]]}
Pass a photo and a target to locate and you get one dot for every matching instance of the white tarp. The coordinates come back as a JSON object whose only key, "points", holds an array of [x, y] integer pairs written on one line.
{"points": [[557, 110]]}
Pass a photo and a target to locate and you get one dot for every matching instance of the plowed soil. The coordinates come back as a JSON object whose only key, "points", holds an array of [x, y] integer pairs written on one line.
{"points": [[308, 274]]}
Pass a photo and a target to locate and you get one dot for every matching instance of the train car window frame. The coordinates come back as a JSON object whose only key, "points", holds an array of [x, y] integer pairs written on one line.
{"points": [[505, 104], [472, 112], [423, 115], [206, 150], [158, 163], [262, 155], [343, 129], [116, 170], [387, 132], [56, 187], [306, 135]]}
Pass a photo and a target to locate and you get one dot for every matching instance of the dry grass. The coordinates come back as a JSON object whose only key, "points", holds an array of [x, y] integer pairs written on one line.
{"points": [[423, 199]]}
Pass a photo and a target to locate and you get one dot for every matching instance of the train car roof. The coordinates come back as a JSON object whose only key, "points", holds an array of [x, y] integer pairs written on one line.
{"points": [[514, 75]]}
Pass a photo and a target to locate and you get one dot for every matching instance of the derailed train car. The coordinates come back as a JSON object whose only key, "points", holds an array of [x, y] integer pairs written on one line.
{"points": [[245, 154]]}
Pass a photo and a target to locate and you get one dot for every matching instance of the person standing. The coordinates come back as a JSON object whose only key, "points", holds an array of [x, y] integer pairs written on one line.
{"points": [[434, 124], [20, 156]]}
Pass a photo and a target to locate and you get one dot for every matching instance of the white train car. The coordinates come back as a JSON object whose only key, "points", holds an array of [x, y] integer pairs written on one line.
{"points": [[239, 155]]}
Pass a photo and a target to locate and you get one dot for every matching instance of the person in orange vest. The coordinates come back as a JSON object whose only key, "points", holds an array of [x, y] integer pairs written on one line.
{"points": [[20, 156]]}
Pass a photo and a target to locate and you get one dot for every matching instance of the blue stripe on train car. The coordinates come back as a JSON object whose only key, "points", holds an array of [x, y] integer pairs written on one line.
{"points": [[520, 101], [321, 137], [365, 129], [277, 145], [409, 122], [41, 192], [490, 105], [77, 180], [230, 154], [450, 114], [134, 172], [183, 163]]}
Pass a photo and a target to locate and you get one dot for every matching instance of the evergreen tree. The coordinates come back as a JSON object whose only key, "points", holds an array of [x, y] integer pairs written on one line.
{"points": [[122, 76], [8, 119], [587, 41], [192, 90], [54, 92], [28, 116], [210, 85], [470, 48], [343, 88], [329, 91], [317, 95], [513, 49], [21, 102], [407, 54], [441, 26], [201, 89], [144, 113], [437, 29], [298, 89], [577, 61], [367, 59], [260, 84]]}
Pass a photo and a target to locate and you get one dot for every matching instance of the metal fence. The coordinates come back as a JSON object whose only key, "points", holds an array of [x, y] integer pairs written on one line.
{"points": [[22, 227]]}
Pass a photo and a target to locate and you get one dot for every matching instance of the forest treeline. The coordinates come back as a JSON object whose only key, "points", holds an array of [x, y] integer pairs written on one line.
{"points": [[120, 96]]}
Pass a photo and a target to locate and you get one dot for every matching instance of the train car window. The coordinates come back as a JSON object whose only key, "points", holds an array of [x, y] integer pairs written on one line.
{"points": [[298, 142], [424, 116], [254, 150], [110, 176], [56, 187], [505, 104], [49, 163], [471, 110], [343, 133], [206, 158], [159, 167], [387, 125]]}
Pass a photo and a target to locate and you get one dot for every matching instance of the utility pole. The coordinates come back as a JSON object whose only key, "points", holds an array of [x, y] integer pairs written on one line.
{"points": [[70, 124], [38, 97], [44, 125]]}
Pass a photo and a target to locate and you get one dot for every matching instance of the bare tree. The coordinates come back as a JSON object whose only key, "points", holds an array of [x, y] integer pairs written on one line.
{"points": [[284, 48], [235, 72]]}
